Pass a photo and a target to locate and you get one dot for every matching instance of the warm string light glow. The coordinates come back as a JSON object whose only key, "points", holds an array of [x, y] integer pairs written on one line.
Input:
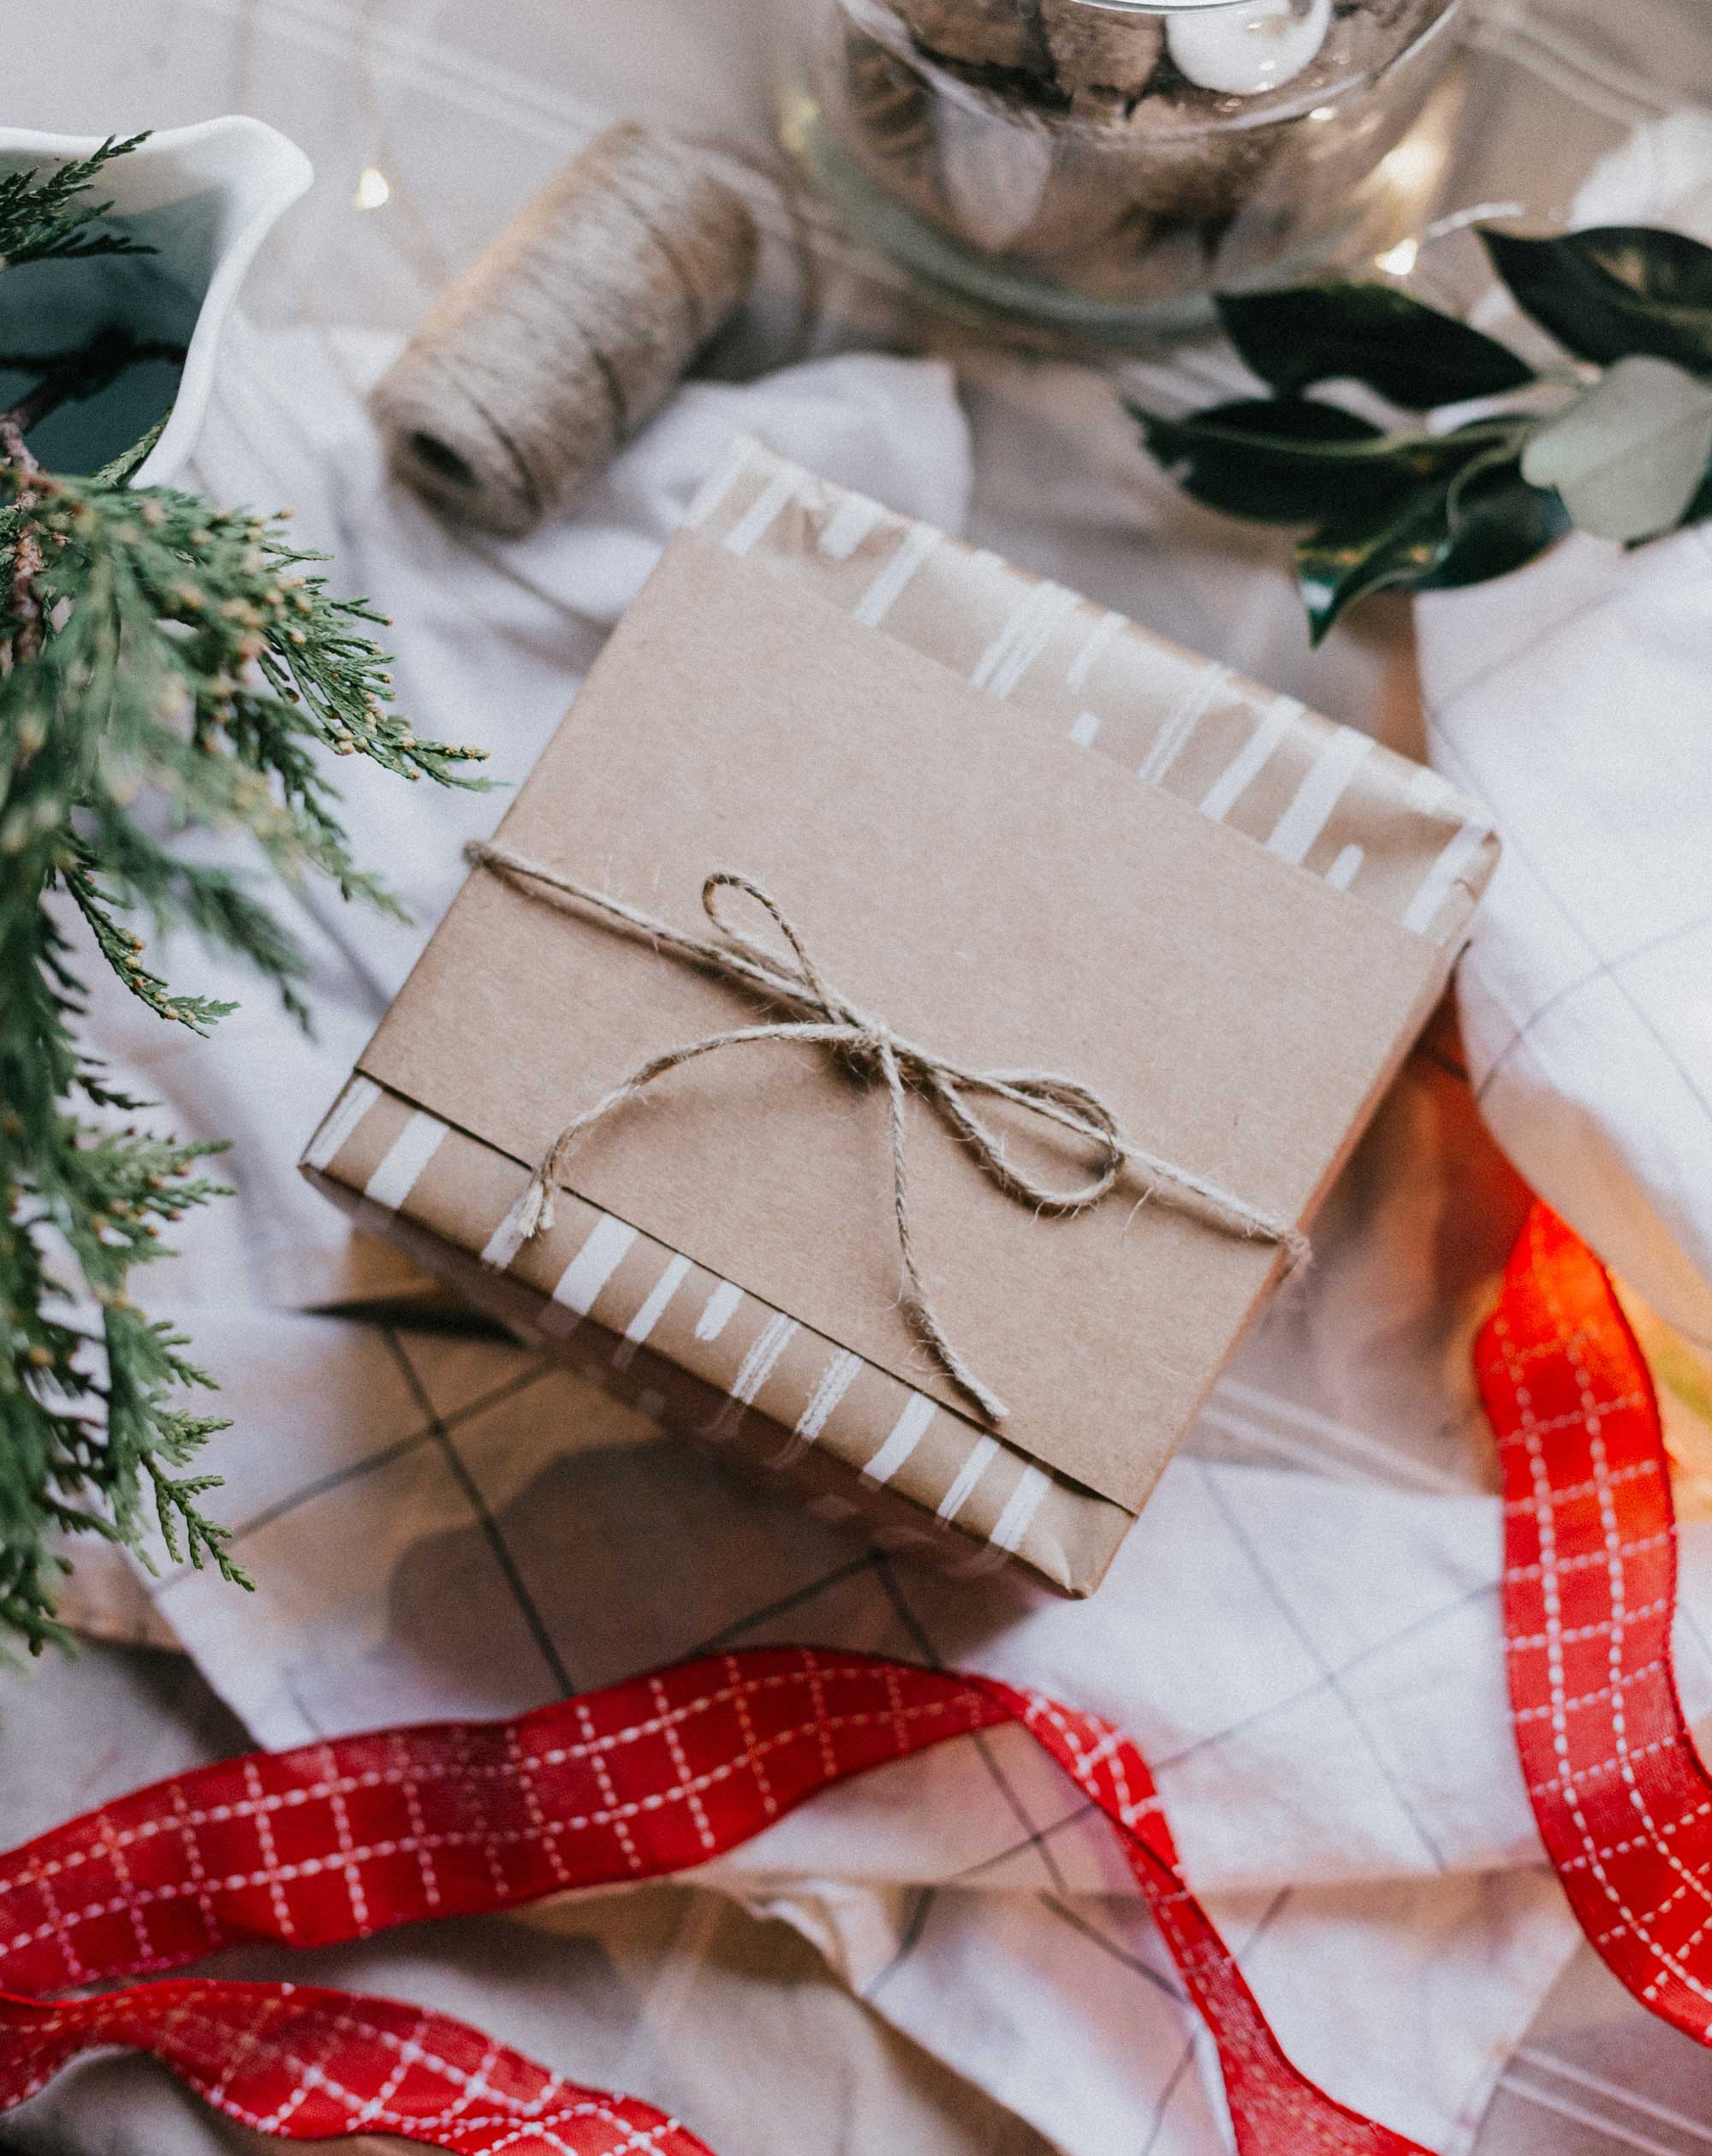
{"points": [[1399, 261], [372, 188]]}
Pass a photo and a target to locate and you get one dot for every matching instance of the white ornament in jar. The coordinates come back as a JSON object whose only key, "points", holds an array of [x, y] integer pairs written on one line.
{"points": [[1242, 50]]}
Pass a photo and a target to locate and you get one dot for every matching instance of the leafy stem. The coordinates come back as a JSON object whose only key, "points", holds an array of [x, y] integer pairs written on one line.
{"points": [[1626, 453], [165, 664]]}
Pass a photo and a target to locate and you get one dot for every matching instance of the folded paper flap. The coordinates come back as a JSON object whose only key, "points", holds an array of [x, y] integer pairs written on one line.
{"points": [[988, 890], [1397, 837]]}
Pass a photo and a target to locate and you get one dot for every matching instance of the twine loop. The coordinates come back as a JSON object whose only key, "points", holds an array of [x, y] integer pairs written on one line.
{"points": [[823, 1017]]}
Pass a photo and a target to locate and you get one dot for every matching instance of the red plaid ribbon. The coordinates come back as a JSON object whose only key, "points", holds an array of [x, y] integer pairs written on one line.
{"points": [[1624, 1804], [342, 1839]]}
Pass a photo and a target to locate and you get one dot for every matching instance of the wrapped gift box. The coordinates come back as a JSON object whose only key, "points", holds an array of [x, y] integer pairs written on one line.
{"points": [[1028, 835]]}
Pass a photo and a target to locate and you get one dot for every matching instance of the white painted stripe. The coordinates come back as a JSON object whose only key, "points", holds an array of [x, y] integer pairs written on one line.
{"points": [[981, 1456], [409, 1153], [835, 1381], [1240, 773], [1209, 685], [1058, 607], [1317, 798], [1029, 629], [341, 1121], [895, 578], [908, 1433], [507, 1239], [758, 1366], [609, 1243], [1085, 727], [849, 523], [1018, 1517], [1093, 651], [1015, 625], [1344, 869], [733, 462], [1428, 790], [777, 1335], [722, 1306], [763, 513], [652, 1311], [836, 1509], [1464, 848]]}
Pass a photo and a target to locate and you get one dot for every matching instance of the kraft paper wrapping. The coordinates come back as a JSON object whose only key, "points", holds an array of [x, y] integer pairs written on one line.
{"points": [[1228, 914]]}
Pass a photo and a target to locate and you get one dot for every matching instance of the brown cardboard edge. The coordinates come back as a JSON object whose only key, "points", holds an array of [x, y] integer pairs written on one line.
{"points": [[759, 458], [506, 1303]]}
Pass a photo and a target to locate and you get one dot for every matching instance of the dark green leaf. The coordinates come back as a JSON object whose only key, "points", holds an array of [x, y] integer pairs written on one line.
{"points": [[1498, 523], [1403, 543], [1614, 290], [1371, 334], [1460, 527], [1289, 459]]}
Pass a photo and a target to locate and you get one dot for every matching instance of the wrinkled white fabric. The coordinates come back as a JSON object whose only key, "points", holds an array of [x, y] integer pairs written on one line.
{"points": [[1573, 700]]}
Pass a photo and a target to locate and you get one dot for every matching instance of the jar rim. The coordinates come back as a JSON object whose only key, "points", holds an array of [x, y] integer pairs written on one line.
{"points": [[1156, 7]]}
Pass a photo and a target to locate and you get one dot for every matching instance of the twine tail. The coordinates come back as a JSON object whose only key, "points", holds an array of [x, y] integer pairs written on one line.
{"points": [[917, 1303], [535, 1215]]}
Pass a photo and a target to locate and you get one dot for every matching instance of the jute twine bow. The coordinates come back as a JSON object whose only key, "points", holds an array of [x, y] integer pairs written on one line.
{"points": [[829, 1019]]}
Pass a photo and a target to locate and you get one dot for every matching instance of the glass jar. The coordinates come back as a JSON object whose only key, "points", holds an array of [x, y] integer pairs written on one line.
{"points": [[1097, 168]]}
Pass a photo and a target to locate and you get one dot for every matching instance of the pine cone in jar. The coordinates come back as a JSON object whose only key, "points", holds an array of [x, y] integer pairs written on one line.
{"points": [[1102, 59], [980, 37], [1178, 163]]}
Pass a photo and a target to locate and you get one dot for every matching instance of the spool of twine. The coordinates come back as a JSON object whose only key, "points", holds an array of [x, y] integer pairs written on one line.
{"points": [[572, 329]]}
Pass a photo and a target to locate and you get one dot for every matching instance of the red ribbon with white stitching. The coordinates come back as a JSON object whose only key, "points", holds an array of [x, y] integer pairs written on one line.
{"points": [[654, 1776], [642, 1780], [1623, 1802]]}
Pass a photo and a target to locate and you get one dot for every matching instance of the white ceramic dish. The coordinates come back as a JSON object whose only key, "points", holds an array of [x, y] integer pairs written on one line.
{"points": [[205, 197]]}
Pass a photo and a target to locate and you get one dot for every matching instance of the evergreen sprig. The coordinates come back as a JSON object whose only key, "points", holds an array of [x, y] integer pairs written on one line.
{"points": [[1617, 439], [46, 215], [164, 666]]}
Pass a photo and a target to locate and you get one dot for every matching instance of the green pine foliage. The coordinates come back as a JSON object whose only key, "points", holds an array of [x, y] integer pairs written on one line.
{"points": [[50, 217], [164, 665]]}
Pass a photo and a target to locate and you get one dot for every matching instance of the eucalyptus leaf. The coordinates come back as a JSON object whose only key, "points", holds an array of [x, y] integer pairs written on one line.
{"points": [[1615, 291], [1290, 459], [1629, 456], [1372, 334]]}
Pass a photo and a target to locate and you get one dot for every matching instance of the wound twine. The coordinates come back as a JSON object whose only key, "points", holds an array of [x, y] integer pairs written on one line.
{"points": [[829, 1019], [572, 329]]}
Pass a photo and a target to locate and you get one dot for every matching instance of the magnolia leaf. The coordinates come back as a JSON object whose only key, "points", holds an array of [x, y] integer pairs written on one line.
{"points": [[1292, 459], [1372, 334], [1615, 291], [1629, 456], [1497, 523], [1350, 559]]}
